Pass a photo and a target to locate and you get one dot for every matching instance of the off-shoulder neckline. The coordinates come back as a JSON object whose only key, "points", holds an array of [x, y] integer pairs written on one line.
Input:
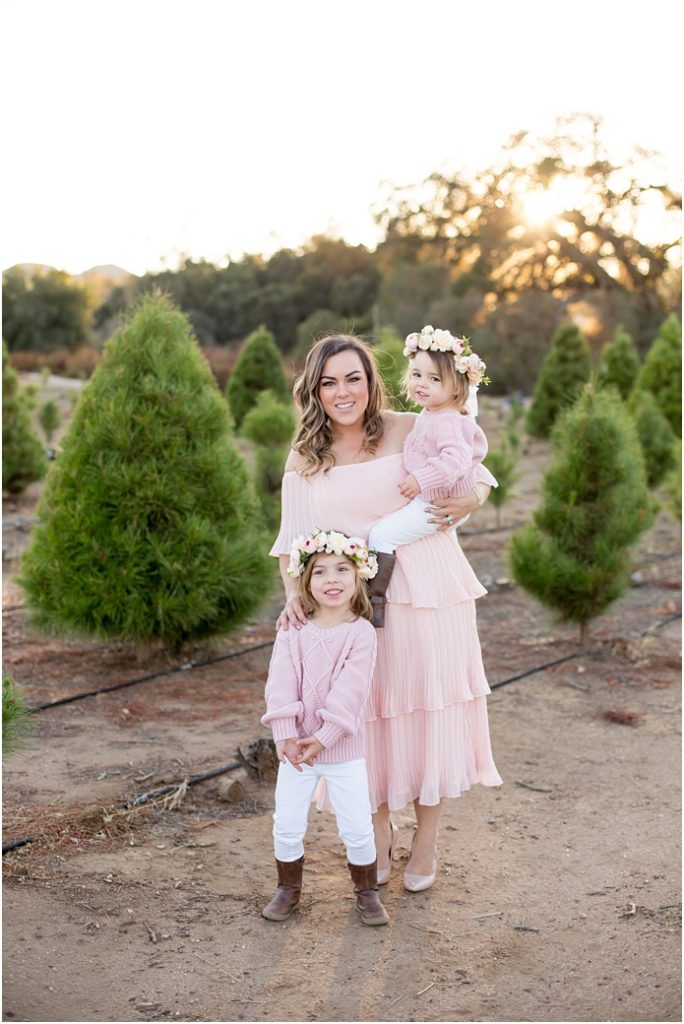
{"points": [[348, 465]]}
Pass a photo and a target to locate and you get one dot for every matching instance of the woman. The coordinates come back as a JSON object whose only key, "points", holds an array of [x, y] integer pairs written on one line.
{"points": [[426, 720]]}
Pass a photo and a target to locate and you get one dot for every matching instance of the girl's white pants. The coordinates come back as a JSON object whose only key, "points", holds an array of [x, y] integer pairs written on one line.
{"points": [[347, 783], [404, 526]]}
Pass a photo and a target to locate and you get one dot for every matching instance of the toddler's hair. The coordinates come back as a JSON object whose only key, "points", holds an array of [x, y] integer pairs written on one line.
{"points": [[360, 602], [445, 367]]}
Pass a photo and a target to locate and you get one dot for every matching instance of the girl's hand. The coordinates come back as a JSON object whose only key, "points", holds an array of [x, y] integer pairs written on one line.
{"points": [[308, 749], [293, 614], [446, 512], [410, 488], [288, 750]]}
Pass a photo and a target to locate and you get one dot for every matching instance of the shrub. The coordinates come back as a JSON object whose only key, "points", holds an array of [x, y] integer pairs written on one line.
{"points": [[595, 504], [564, 370], [23, 457], [502, 462], [259, 368], [269, 422], [673, 483], [149, 528], [393, 364], [661, 372], [49, 418]]}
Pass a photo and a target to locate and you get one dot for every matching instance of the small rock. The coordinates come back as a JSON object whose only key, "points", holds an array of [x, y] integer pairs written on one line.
{"points": [[230, 790]]}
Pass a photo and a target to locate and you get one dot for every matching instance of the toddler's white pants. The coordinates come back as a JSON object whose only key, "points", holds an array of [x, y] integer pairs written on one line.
{"points": [[404, 526], [347, 783]]}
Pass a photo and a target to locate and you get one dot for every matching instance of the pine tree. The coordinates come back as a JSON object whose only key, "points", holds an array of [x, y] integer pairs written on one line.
{"points": [[673, 483], [23, 456], [269, 425], [619, 363], [49, 418], [149, 528], [566, 368], [662, 371], [259, 368], [393, 364], [16, 717], [595, 504], [655, 435], [502, 462]]}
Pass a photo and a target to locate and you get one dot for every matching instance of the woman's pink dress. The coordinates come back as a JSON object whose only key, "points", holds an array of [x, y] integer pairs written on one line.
{"points": [[427, 731]]}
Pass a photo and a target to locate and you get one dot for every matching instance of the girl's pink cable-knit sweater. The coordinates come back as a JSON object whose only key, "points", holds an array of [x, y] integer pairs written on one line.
{"points": [[442, 452], [318, 683]]}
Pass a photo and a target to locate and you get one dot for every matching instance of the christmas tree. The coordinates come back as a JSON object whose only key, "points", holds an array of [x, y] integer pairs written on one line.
{"points": [[662, 372], [270, 425], [149, 528], [619, 363], [259, 368], [566, 368], [23, 456], [575, 557]]}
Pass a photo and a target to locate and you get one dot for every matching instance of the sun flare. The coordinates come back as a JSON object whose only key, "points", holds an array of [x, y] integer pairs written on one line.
{"points": [[545, 205]]}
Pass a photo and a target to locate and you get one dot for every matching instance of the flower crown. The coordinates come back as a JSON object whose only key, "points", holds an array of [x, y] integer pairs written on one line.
{"points": [[332, 543], [467, 361]]}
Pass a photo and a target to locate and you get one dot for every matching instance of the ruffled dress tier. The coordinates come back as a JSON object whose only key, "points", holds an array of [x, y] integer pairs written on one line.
{"points": [[427, 733]]}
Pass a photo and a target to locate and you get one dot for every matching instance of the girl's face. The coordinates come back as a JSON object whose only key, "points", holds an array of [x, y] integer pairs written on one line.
{"points": [[333, 581], [343, 388], [425, 384]]}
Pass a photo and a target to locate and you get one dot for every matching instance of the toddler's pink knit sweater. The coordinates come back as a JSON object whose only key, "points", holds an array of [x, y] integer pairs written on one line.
{"points": [[442, 452], [318, 683]]}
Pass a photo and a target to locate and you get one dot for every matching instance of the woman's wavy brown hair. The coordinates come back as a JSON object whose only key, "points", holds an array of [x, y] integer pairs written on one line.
{"points": [[314, 437]]}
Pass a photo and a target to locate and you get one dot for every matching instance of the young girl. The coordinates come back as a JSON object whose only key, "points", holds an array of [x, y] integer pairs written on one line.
{"points": [[442, 451], [318, 683]]}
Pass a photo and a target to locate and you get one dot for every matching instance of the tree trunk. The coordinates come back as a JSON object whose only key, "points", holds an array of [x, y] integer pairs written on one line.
{"points": [[498, 517], [584, 635]]}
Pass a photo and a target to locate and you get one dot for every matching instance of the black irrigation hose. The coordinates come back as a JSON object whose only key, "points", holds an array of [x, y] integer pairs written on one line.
{"points": [[15, 844], [148, 679]]}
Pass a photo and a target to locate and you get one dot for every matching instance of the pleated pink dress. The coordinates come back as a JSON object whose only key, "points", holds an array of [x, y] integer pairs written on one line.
{"points": [[427, 734]]}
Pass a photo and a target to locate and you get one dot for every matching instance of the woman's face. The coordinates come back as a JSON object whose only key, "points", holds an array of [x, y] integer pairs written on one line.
{"points": [[343, 388]]}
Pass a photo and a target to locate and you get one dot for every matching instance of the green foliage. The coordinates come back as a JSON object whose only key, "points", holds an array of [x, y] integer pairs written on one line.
{"points": [[655, 435], [16, 717], [661, 372], [673, 482], [514, 423], [565, 369], [49, 418], [259, 368], [619, 363], [23, 457], [46, 312], [318, 324], [502, 462], [269, 422], [595, 504], [392, 363], [149, 528]]}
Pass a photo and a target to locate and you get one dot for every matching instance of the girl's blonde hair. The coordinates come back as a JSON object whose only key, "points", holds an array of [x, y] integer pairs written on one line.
{"points": [[445, 368], [314, 437], [360, 603]]}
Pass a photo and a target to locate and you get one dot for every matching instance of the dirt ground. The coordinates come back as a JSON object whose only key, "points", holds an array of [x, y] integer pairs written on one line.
{"points": [[558, 894]]}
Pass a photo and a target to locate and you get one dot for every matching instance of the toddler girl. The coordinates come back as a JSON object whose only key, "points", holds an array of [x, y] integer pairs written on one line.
{"points": [[442, 451], [318, 683]]}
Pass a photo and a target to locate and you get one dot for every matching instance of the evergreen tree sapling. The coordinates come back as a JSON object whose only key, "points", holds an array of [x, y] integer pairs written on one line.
{"points": [[269, 425], [502, 462], [655, 435], [23, 455], [619, 363], [389, 354], [595, 504], [259, 367], [566, 368], [149, 528], [673, 483], [661, 372], [16, 717], [49, 418]]}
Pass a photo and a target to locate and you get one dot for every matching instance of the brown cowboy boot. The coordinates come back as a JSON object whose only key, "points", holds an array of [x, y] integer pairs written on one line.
{"points": [[288, 892], [377, 587], [365, 879]]}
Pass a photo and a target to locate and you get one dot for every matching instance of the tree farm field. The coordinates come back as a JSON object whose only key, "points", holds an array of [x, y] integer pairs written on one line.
{"points": [[558, 894]]}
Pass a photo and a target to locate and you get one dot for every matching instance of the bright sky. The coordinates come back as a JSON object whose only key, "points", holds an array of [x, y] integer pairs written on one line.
{"points": [[136, 130]]}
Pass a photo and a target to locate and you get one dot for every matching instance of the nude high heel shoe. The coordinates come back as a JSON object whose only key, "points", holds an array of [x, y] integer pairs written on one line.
{"points": [[417, 883], [384, 873]]}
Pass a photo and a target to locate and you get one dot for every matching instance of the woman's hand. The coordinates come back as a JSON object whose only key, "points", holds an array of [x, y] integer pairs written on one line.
{"points": [[446, 512], [293, 614]]}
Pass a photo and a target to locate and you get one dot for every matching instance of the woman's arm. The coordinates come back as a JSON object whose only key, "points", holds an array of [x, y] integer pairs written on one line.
{"points": [[293, 613], [447, 511]]}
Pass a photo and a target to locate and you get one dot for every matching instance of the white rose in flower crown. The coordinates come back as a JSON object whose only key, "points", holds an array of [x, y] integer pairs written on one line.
{"points": [[336, 542], [462, 364], [457, 346], [442, 340], [412, 340], [428, 330], [424, 342]]}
